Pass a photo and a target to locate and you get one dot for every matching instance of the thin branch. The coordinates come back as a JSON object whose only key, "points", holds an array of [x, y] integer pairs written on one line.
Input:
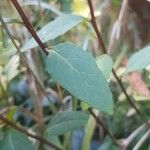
{"points": [[22, 130], [29, 25], [142, 140], [24, 61], [125, 142], [101, 43], [105, 128], [27, 113]]}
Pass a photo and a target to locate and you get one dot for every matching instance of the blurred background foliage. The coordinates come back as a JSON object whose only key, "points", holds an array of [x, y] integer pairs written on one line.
{"points": [[125, 29]]}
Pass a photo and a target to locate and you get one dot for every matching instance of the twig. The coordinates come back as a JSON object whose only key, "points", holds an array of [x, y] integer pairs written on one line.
{"points": [[24, 61], [101, 43], [29, 25], [22, 130], [125, 142], [105, 128], [27, 113]]}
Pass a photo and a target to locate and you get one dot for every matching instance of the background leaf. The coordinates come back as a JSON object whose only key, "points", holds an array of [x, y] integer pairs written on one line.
{"points": [[107, 145], [14, 140], [77, 71], [6, 52], [139, 60], [11, 69], [66, 121], [105, 64], [44, 5], [54, 29]]}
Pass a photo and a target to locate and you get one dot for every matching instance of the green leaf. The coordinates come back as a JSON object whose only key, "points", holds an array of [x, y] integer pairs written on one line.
{"points": [[66, 121], [105, 64], [5, 53], [107, 145], [13, 140], [52, 30], [44, 5], [139, 60], [77, 71], [10, 114], [11, 69], [53, 139], [11, 21]]}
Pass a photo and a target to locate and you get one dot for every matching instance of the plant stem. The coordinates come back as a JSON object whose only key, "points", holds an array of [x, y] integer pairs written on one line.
{"points": [[29, 25], [105, 128], [101, 43], [142, 140], [22, 130], [23, 60], [89, 130], [132, 136]]}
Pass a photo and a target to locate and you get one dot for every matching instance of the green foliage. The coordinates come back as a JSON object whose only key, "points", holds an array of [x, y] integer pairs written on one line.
{"points": [[107, 145], [53, 139], [105, 64], [139, 60], [6, 52], [11, 69], [54, 29], [43, 5], [116, 2], [13, 140], [66, 121], [50, 94], [76, 71]]}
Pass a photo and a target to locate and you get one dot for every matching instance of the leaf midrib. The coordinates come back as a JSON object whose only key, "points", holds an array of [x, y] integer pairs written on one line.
{"points": [[11, 143], [76, 70]]}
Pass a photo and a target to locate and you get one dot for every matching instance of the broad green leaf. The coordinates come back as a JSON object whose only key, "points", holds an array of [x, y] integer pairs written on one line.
{"points": [[54, 29], [66, 121], [77, 71], [13, 140], [105, 64], [139, 60]]}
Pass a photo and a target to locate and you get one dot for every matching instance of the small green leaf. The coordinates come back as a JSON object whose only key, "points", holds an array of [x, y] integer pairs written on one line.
{"points": [[10, 114], [13, 140], [11, 21], [66, 121], [52, 30], [44, 5], [77, 71], [105, 64], [53, 139], [11, 69], [5, 53], [107, 145], [139, 60]]}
